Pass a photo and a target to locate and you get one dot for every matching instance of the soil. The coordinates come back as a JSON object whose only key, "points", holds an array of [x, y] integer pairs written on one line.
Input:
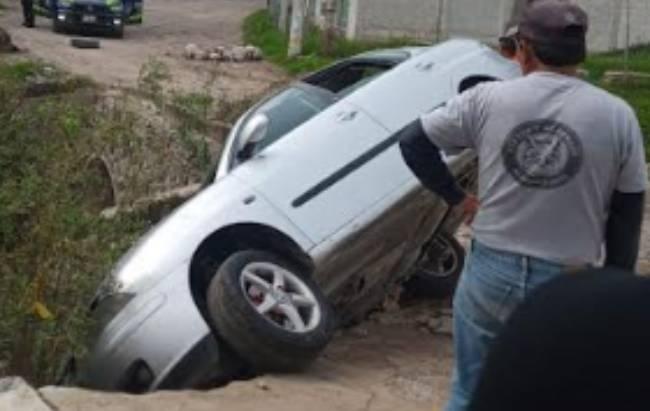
{"points": [[168, 27]]}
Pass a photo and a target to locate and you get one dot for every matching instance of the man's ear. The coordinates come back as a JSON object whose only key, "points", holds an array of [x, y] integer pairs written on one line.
{"points": [[526, 56]]}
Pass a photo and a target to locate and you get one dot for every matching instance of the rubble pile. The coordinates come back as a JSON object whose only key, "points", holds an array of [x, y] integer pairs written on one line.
{"points": [[236, 54]]}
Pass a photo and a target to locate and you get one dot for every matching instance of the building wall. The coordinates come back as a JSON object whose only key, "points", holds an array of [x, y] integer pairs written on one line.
{"points": [[432, 20], [486, 20], [398, 18]]}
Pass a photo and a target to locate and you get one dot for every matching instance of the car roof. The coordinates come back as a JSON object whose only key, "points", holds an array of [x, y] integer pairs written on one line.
{"points": [[395, 55]]}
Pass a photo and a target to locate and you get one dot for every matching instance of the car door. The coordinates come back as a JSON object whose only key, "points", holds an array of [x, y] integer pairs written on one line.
{"points": [[358, 262], [324, 173]]}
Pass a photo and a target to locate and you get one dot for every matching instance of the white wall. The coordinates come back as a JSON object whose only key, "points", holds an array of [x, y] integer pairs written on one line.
{"points": [[486, 19], [397, 18]]}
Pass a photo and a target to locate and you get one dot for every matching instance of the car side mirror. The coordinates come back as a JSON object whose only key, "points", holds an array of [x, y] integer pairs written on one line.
{"points": [[254, 131]]}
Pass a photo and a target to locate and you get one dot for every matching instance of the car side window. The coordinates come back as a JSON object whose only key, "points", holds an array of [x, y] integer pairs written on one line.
{"points": [[289, 109], [343, 80]]}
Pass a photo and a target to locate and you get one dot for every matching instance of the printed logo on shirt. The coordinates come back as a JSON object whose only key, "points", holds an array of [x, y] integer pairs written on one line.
{"points": [[542, 154]]}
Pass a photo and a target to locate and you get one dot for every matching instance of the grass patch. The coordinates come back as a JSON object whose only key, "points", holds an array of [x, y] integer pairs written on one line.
{"points": [[54, 246], [637, 94], [21, 71], [598, 64], [260, 30]]}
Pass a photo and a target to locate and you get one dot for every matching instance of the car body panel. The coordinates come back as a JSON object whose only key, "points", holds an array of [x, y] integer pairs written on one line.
{"points": [[159, 313], [344, 132], [216, 207]]}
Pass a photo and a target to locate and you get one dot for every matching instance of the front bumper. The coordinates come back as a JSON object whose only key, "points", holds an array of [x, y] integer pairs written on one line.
{"points": [[158, 340], [89, 17]]}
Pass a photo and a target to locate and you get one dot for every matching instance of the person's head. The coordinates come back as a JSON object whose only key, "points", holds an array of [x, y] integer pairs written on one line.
{"points": [[551, 35]]}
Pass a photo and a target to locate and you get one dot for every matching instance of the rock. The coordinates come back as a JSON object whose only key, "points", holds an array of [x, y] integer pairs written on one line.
{"points": [[631, 77], [253, 53], [262, 385], [583, 74], [238, 54], [16, 394], [6, 46], [193, 52], [215, 56]]}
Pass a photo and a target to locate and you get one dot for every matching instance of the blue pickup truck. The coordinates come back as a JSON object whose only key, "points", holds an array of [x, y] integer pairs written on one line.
{"points": [[105, 15]]}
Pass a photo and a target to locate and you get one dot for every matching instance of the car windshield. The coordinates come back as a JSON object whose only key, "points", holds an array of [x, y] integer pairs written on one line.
{"points": [[289, 109]]}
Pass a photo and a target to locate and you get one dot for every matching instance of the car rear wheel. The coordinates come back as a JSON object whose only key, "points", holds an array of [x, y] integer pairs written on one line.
{"points": [[273, 317], [439, 268]]}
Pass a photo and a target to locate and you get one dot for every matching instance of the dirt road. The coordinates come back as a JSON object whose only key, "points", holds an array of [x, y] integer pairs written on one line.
{"points": [[168, 27]]}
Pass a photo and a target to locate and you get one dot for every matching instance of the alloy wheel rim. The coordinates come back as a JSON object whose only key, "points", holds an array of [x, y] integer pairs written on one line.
{"points": [[281, 297]]}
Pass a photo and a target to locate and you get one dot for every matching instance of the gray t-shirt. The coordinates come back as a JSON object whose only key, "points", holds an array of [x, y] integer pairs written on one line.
{"points": [[552, 150]]}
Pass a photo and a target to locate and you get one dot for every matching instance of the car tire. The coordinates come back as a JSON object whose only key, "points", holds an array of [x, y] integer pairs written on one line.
{"points": [[439, 268], [57, 26], [256, 319], [85, 43], [118, 32]]}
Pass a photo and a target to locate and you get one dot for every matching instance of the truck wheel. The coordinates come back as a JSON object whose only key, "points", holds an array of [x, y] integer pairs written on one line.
{"points": [[438, 270], [118, 32], [275, 318]]}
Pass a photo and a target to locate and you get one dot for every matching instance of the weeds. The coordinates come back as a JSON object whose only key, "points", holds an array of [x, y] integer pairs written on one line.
{"points": [[260, 30], [54, 247]]}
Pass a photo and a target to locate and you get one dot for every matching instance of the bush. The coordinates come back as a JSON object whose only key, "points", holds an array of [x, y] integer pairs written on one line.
{"points": [[260, 30]]}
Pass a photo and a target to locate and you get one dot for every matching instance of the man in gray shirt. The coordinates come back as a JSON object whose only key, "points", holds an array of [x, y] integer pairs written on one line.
{"points": [[562, 177]]}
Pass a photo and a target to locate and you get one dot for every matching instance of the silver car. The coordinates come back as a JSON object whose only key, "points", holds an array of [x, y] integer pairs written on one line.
{"points": [[309, 218]]}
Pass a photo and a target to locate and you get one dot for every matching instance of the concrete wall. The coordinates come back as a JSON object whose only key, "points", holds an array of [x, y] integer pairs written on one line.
{"points": [[609, 23], [432, 20], [486, 20], [398, 18]]}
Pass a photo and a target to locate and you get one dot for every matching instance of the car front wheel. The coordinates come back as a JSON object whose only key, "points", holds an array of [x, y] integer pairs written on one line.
{"points": [[274, 317]]}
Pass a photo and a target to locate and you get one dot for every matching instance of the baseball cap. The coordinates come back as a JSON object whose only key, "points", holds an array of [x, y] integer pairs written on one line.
{"points": [[554, 22]]}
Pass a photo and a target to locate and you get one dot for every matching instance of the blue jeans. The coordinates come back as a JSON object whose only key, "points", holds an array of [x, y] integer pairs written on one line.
{"points": [[493, 283]]}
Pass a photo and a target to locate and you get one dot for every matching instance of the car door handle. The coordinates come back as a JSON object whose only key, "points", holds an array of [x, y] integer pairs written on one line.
{"points": [[345, 116]]}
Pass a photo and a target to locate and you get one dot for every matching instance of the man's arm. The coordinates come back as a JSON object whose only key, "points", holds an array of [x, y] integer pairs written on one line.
{"points": [[623, 231], [424, 159]]}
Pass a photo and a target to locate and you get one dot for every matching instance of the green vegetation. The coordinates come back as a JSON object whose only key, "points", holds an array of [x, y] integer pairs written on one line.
{"points": [[636, 92], [598, 64], [260, 31], [54, 245]]}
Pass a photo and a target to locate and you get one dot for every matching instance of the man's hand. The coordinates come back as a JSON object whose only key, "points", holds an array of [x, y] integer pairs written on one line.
{"points": [[470, 206]]}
